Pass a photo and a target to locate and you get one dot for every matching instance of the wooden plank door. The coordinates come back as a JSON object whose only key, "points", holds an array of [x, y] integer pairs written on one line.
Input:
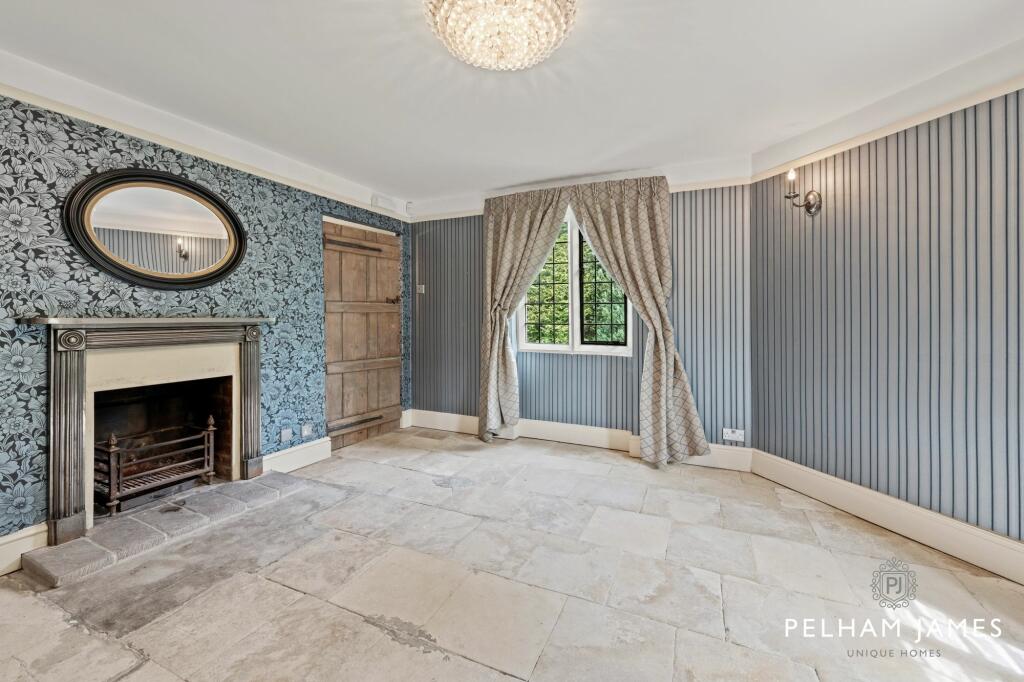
{"points": [[362, 295]]}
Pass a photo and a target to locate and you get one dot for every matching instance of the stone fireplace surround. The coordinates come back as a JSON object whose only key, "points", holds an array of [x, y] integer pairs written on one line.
{"points": [[78, 344]]}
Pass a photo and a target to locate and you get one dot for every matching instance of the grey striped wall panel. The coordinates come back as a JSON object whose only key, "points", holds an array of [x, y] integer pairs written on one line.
{"points": [[710, 303], [448, 257], [710, 307], [159, 252], [887, 331], [597, 390]]}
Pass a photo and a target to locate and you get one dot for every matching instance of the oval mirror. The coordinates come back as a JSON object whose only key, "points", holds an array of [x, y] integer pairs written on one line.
{"points": [[154, 228]]}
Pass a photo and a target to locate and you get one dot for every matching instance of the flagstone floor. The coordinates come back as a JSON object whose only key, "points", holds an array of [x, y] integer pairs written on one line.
{"points": [[423, 555]]}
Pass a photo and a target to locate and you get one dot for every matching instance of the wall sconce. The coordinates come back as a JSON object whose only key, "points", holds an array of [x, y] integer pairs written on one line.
{"points": [[182, 251], [812, 200]]}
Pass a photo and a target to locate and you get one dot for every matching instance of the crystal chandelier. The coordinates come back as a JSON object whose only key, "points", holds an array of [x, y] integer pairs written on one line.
{"points": [[501, 35]]}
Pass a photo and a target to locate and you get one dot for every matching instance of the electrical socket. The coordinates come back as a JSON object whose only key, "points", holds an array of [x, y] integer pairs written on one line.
{"points": [[307, 430], [734, 435], [421, 288], [286, 434]]}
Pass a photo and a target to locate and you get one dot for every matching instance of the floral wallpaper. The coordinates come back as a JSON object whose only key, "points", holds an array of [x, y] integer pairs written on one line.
{"points": [[42, 156]]}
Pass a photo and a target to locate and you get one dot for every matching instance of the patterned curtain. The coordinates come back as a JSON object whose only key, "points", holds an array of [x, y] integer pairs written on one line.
{"points": [[519, 230], [627, 224]]}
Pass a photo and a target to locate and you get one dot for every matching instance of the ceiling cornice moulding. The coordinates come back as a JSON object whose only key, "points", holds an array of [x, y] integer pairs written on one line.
{"points": [[42, 86]]}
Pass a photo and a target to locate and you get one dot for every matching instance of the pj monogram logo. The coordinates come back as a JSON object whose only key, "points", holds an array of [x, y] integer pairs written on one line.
{"points": [[894, 584]]}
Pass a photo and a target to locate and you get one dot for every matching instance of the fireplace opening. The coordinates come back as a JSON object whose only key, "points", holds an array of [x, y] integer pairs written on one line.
{"points": [[151, 441]]}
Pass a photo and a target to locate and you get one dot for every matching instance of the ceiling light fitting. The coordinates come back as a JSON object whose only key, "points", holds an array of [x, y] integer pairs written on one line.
{"points": [[501, 35]]}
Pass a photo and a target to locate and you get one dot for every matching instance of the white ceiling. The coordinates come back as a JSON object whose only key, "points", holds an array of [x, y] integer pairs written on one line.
{"points": [[361, 89]]}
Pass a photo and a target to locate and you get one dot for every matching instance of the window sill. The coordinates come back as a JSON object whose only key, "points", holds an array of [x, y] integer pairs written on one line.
{"points": [[610, 351]]}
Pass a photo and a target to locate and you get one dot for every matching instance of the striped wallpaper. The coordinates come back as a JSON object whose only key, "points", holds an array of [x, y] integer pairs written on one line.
{"points": [[448, 261], [887, 330], [710, 303], [711, 233], [159, 252]]}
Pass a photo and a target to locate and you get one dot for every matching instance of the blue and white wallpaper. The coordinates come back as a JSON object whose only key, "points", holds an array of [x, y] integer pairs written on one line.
{"points": [[42, 156]]}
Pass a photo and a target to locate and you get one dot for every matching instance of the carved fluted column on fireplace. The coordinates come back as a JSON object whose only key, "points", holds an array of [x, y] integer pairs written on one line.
{"points": [[252, 463], [66, 497]]}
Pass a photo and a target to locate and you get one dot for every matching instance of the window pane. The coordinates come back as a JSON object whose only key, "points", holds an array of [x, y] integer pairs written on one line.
{"points": [[547, 300], [603, 313]]}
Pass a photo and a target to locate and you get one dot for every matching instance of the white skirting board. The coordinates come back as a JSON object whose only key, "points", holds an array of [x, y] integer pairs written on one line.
{"points": [[14, 545], [991, 551], [298, 456]]}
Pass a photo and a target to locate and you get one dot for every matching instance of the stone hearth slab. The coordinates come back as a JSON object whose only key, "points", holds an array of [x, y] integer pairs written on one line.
{"points": [[212, 505], [126, 536], [62, 564], [172, 519], [253, 494], [120, 538]]}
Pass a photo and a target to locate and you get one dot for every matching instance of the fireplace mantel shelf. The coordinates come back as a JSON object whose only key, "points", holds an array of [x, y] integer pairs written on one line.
{"points": [[130, 322]]}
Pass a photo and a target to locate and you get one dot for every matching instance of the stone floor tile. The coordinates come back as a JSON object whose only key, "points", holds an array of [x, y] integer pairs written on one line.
{"points": [[725, 485], [639, 471], [749, 517], [283, 483], [801, 568], [1002, 599], [424, 488], [12, 670], [756, 617], [309, 640], [537, 479], [151, 672], [365, 514], [707, 659], [172, 520], [25, 618], [678, 595], [322, 567], [546, 460], [599, 644], [125, 536], [366, 476], [606, 492], [394, 456], [553, 514], [572, 567], [497, 622], [401, 585], [211, 624], [683, 505], [629, 531], [498, 547], [940, 594], [77, 654], [790, 499], [487, 501], [250, 492], [438, 463], [489, 472], [212, 505], [429, 529], [66, 563], [713, 549], [406, 656]]}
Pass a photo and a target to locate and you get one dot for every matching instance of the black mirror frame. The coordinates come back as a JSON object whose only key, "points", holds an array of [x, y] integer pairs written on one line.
{"points": [[76, 226]]}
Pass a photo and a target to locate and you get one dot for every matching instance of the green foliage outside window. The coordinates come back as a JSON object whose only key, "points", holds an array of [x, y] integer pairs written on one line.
{"points": [[603, 304], [602, 314], [547, 301]]}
